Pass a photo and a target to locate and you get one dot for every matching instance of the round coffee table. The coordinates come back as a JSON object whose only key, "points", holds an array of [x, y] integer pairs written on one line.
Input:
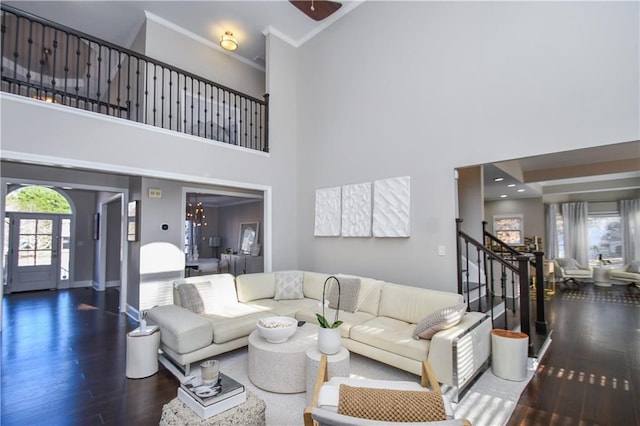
{"points": [[281, 367]]}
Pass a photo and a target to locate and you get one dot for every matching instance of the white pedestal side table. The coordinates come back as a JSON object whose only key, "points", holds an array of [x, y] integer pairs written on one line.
{"points": [[142, 353], [601, 276], [509, 354], [280, 367], [338, 364]]}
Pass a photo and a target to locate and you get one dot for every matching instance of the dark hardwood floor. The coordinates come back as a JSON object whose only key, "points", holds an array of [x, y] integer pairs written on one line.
{"points": [[63, 363], [590, 375]]}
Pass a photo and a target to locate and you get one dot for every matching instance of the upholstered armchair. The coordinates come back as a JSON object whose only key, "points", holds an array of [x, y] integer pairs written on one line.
{"points": [[629, 273], [569, 270], [369, 399]]}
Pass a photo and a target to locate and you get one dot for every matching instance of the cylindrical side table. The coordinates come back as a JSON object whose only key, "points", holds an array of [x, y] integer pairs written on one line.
{"points": [[142, 354], [338, 364], [509, 354]]}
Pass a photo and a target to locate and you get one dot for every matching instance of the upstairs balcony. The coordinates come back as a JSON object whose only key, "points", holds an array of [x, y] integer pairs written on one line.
{"points": [[49, 62]]}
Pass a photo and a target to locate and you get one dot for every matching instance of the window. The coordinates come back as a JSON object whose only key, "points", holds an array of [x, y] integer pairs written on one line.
{"points": [[605, 237], [509, 228]]}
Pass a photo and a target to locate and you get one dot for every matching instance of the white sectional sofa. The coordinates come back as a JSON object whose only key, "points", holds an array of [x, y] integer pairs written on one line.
{"points": [[381, 326]]}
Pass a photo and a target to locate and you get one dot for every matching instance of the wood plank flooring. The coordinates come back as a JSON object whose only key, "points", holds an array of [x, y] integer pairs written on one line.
{"points": [[63, 362]]}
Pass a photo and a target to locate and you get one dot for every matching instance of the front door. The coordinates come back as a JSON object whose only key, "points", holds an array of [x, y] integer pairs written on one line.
{"points": [[37, 247]]}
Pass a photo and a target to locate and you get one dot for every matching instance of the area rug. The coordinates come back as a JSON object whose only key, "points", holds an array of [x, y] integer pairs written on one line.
{"points": [[489, 402]]}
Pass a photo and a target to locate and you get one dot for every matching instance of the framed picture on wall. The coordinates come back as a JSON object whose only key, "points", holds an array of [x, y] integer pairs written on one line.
{"points": [[248, 235], [132, 221]]}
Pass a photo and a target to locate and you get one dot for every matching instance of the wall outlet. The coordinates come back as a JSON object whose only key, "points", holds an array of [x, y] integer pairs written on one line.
{"points": [[155, 193], [441, 251]]}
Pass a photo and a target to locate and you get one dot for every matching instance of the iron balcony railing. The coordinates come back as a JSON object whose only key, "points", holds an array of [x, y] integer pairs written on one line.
{"points": [[53, 63]]}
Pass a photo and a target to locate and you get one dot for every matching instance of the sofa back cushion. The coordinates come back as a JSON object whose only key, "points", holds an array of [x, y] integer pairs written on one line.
{"points": [[313, 283], [256, 286], [215, 290], [411, 304], [369, 295]]}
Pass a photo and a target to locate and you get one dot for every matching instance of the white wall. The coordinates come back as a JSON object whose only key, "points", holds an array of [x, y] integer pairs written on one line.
{"points": [[460, 84]]}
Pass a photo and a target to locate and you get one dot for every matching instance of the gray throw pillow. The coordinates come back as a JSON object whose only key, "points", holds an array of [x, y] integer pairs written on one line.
{"points": [[289, 286], [349, 290], [439, 320], [190, 298]]}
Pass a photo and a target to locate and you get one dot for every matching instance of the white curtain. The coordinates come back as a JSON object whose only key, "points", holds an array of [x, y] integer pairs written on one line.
{"points": [[630, 220], [576, 235], [551, 237]]}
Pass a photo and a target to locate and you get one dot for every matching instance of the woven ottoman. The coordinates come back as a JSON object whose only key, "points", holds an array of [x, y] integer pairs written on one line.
{"points": [[249, 413]]}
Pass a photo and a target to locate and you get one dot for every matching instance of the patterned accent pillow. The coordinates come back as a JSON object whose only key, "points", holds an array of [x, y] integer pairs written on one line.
{"points": [[439, 320], [190, 298], [349, 290], [289, 286], [634, 267], [391, 405]]}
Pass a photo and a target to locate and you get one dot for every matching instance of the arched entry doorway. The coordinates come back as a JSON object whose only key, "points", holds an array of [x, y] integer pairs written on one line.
{"points": [[37, 243]]}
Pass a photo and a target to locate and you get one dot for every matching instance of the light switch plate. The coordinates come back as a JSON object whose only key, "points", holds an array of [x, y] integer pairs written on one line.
{"points": [[441, 251]]}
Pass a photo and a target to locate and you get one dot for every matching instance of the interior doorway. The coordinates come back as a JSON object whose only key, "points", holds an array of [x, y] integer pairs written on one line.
{"points": [[37, 245]]}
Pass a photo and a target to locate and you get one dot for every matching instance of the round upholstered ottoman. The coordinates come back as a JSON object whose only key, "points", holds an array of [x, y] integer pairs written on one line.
{"points": [[281, 367]]}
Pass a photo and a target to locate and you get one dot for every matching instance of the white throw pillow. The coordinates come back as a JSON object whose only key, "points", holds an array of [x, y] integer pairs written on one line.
{"points": [[439, 320], [289, 286]]}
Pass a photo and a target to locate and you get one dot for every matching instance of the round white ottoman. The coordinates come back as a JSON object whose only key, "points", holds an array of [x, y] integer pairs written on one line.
{"points": [[338, 364], [509, 351], [280, 367]]}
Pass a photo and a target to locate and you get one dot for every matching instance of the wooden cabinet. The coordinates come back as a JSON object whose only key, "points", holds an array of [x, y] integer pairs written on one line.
{"points": [[243, 264]]}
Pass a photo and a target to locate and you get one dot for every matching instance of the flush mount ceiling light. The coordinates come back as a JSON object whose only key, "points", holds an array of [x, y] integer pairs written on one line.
{"points": [[498, 179], [228, 41], [503, 196], [511, 185]]}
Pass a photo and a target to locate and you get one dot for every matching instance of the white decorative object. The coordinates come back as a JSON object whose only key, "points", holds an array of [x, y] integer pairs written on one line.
{"points": [[391, 207], [277, 329], [329, 340], [327, 212], [356, 210]]}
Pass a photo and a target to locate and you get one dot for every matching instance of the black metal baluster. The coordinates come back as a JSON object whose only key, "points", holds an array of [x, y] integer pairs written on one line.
{"points": [[162, 100], [55, 57], [128, 102], [87, 92], [119, 92], [98, 84], [30, 41], [138, 90], [66, 65]]}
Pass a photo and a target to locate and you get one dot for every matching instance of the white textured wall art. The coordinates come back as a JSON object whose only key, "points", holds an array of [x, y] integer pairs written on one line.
{"points": [[391, 207], [327, 212], [356, 210]]}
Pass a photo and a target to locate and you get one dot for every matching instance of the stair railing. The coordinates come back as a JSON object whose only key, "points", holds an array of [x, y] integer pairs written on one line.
{"points": [[518, 266]]}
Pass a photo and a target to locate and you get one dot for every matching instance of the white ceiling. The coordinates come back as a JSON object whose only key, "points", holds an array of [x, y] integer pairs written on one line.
{"points": [[119, 21], [599, 169]]}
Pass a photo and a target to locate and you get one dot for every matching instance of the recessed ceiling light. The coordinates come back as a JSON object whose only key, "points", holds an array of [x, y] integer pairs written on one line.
{"points": [[511, 185], [503, 196], [521, 190], [498, 179]]}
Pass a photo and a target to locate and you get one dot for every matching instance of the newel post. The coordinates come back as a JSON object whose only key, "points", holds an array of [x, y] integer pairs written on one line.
{"points": [[541, 322], [525, 325]]}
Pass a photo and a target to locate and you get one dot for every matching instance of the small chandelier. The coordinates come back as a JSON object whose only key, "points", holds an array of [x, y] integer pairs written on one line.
{"points": [[228, 41], [195, 213]]}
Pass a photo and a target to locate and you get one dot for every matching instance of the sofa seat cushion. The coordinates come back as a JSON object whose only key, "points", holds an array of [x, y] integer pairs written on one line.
{"points": [[285, 308], [578, 272], [624, 275], [391, 335], [349, 319], [182, 330], [227, 328]]}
